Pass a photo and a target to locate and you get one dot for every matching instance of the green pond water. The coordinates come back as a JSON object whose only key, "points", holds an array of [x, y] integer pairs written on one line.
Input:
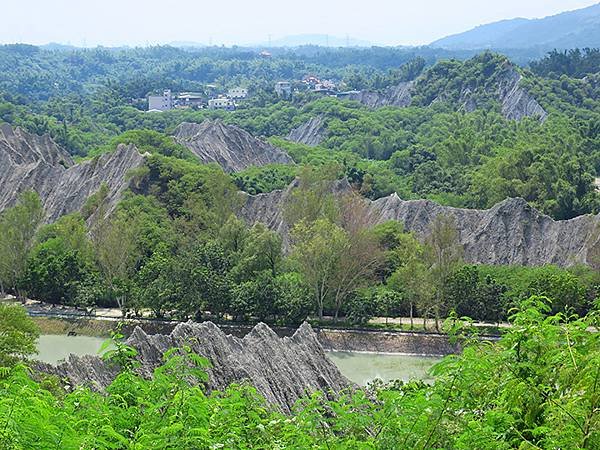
{"points": [[53, 348], [363, 368], [358, 367]]}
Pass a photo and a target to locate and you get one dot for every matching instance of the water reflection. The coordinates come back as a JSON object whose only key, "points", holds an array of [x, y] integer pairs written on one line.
{"points": [[363, 368]]}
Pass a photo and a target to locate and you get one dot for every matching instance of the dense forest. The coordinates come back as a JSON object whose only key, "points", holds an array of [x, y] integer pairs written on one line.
{"points": [[174, 247], [179, 228]]}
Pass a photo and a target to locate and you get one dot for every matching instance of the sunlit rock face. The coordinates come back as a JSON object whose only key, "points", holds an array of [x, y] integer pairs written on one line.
{"points": [[282, 370], [311, 132], [232, 148], [511, 232], [37, 163]]}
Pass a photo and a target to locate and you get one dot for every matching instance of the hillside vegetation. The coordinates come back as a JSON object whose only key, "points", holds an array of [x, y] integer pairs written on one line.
{"points": [[167, 240]]}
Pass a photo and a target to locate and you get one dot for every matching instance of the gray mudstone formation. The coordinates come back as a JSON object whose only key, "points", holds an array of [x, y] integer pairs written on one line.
{"points": [[511, 232], [282, 370], [515, 101], [310, 133], [30, 162], [229, 146], [399, 96]]}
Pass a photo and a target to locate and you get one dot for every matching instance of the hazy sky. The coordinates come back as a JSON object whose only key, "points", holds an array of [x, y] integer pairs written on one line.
{"points": [[141, 22]]}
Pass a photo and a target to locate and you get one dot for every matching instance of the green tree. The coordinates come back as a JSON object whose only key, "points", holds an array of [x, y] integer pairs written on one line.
{"points": [[294, 299], [318, 248], [155, 284], [60, 261], [444, 255], [313, 198], [412, 277], [114, 242], [202, 280], [18, 336], [263, 251], [18, 228], [478, 296]]}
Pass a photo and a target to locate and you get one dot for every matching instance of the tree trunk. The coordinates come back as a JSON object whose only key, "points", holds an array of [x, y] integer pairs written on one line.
{"points": [[121, 304], [337, 309], [320, 308], [412, 325]]}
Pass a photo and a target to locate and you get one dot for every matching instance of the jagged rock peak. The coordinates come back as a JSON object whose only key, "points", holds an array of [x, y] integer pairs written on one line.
{"points": [[399, 95], [282, 369], [515, 100], [23, 147], [31, 162], [511, 232], [229, 146], [310, 133]]}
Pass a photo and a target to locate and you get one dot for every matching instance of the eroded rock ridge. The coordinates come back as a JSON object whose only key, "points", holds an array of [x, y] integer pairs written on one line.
{"points": [[31, 162], [281, 369], [229, 146], [511, 232]]}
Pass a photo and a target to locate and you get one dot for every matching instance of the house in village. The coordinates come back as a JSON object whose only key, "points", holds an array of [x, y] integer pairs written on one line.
{"points": [[164, 102], [237, 93], [221, 102], [190, 100]]}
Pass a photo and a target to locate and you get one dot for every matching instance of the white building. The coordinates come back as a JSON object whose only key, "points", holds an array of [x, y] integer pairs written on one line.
{"points": [[283, 89], [237, 93], [161, 102], [221, 103]]}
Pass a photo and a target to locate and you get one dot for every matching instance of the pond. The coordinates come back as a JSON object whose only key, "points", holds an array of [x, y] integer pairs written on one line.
{"points": [[54, 347], [358, 367], [363, 368]]}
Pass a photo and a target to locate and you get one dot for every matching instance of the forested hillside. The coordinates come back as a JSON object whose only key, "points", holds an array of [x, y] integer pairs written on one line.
{"points": [[313, 204], [433, 149], [176, 225]]}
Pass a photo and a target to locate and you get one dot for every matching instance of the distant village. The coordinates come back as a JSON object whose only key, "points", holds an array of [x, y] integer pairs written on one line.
{"points": [[234, 97]]}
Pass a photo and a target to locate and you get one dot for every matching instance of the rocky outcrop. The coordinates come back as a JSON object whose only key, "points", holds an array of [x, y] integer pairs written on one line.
{"points": [[512, 232], [516, 101], [82, 180], [229, 146], [399, 96], [281, 369], [309, 133], [30, 162]]}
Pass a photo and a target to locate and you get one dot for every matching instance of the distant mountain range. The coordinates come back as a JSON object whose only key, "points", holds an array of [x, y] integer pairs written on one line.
{"points": [[579, 28]]}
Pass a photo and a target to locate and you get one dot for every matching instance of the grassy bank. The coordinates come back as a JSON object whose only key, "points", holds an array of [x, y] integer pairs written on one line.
{"points": [[86, 327]]}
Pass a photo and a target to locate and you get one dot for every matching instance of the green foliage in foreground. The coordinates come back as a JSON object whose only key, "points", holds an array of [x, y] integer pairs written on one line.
{"points": [[538, 387], [17, 334]]}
